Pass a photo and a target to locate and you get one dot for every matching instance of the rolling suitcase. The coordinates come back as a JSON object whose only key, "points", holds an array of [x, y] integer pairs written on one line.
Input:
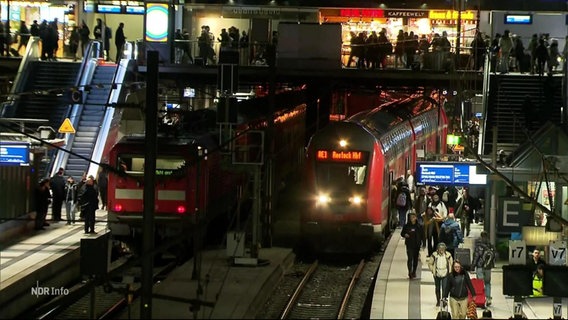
{"points": [[464, 257], [480, 298], [443, 313]]}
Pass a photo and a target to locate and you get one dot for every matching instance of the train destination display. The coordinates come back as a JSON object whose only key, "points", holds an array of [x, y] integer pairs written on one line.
{"points": [[449, 173], [342, 156]]}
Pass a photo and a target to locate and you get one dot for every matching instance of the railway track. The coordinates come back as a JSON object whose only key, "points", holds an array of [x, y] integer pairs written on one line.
{"points": [[324, 292], [95, 300]]}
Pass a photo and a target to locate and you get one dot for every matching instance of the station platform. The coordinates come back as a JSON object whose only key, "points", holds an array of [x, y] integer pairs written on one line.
{"points": [[45, 258], [398, 297]]}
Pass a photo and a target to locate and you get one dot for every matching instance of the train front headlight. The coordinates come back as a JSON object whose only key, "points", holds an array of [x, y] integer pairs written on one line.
{"points": [[356, 200], [323, 199]]}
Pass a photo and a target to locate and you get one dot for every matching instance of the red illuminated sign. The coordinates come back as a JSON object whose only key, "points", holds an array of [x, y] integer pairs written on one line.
{"points": [[364, 13], [342, 156]]}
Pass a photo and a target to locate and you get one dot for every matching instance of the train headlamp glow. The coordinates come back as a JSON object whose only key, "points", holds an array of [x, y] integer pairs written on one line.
{"points": [[356, 200], [323, 199], [342, 143]]}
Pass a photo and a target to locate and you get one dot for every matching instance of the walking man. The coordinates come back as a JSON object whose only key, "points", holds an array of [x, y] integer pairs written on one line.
{"points": [[413, 233]]}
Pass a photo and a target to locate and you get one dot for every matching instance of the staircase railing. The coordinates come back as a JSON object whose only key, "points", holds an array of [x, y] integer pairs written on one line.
{"points": [[32, 54], [485, 101]]}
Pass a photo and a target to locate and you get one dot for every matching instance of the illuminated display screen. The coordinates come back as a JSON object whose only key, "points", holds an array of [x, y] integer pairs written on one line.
{"points": [[157, 17], [342, 156], [88, 7], [104, 8], [448, 173], [518, 19], [14, 154], [134, 10]]}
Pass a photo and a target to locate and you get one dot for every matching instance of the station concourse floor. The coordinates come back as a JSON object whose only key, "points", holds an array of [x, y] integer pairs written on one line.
{"points": [[397, 297]]}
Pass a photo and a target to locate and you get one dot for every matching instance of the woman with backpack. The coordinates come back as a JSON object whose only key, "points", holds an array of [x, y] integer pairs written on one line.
{"points": [[440, 263]]}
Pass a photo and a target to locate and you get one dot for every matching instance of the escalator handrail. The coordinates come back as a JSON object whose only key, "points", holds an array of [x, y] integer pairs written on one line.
{"points": [[31, 54]]}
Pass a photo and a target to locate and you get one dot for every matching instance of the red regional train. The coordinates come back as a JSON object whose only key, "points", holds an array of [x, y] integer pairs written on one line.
{"points": [[187, 178], [352, 164]]}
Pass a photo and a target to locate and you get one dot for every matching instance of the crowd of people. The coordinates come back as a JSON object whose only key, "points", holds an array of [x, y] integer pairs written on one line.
{"points": [[428, 220], [81, 197], [369, 50], [49, 35], [508, 53]]}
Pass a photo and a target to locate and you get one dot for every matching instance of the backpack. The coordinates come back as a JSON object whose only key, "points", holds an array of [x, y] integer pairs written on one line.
{"points": [[401, 199], [488, 257], [447, 236]]}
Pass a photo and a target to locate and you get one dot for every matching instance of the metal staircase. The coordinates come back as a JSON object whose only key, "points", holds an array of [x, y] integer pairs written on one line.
{"points": [[90, 120], [509, 98]]}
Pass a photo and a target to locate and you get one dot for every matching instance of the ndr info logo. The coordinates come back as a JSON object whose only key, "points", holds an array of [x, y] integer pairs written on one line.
{"points": [[48, 291]]}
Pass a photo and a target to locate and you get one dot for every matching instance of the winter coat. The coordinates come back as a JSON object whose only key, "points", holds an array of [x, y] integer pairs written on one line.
{"points": [[458, 285], [450, 234]]}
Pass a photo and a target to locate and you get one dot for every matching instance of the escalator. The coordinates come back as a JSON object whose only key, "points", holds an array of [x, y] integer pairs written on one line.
{"points": [[90, 119], [45, 93]]}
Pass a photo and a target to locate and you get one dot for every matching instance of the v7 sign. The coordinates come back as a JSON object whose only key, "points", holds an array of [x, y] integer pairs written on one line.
{"points": [[557, 253]]}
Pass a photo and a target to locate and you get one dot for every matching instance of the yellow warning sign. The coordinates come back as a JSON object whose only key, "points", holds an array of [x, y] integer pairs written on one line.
{"points": [[66, 127]]}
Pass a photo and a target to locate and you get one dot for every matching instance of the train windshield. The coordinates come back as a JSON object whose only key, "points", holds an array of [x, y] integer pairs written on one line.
{"points": [[165, 165], [342, 175]]}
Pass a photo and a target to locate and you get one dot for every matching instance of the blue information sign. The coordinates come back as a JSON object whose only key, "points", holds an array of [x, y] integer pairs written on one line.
{"points": [[14, 154], [448, 173]]}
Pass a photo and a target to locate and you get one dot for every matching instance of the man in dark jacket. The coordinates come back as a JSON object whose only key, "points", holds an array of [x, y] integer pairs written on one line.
{"points": [[119, 41], [414, 237], [90, 203], [57, 185], [41, 203]]}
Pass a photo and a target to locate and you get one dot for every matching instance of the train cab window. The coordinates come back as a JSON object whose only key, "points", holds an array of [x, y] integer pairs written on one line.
{"points": [[334, 174], [134, 164]]}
